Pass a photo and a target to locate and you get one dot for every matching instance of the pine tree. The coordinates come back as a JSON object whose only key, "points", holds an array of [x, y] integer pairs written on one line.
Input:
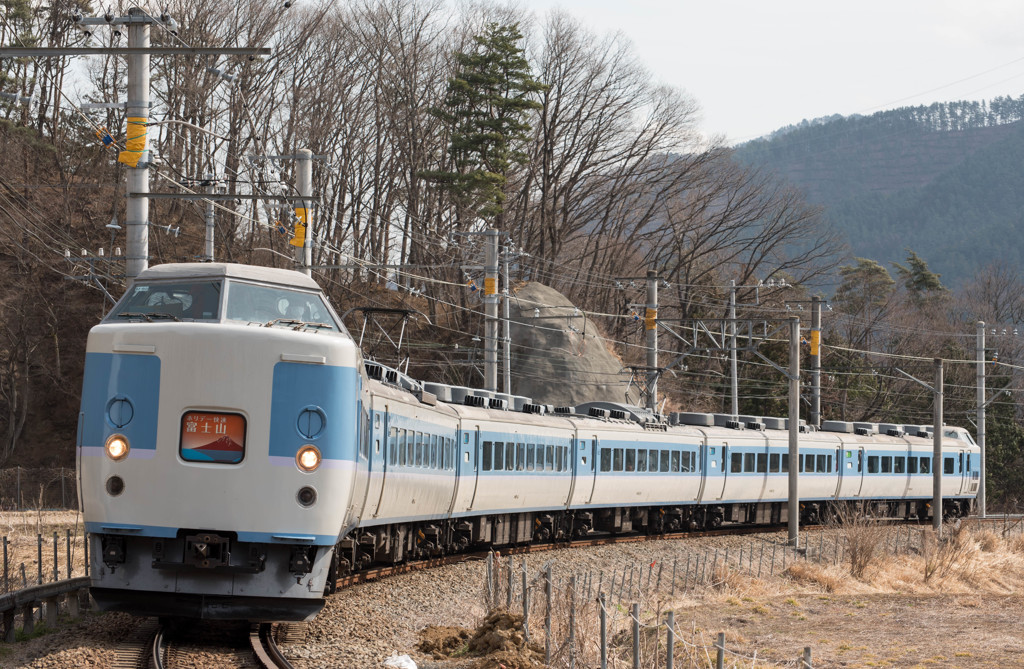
{"points": [[918, 279], [486, 107]]}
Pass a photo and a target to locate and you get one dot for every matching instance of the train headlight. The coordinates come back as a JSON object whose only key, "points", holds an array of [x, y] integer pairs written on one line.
{"points": [[117, 447], [308, 458]]}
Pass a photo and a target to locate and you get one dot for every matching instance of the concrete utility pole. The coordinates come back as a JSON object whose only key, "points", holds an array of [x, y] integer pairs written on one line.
{"points": [[793, 508], [937, 395], [651, 325], [208, 239], [137, 208], [491, 310], [816, 361], [733, 368], [980, 357], [937, 451], [304, 212], [507, 335]]}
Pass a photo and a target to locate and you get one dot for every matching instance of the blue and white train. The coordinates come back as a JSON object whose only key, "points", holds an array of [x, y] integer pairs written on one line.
{"points": [[236, 455]]}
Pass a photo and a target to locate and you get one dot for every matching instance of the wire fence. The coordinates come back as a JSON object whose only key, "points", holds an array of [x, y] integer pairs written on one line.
{"points": [[32, 489], [622, 617]]}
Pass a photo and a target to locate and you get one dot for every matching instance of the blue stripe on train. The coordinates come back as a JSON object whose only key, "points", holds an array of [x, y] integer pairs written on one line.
{"points": [[123, 377], [332, 390]]}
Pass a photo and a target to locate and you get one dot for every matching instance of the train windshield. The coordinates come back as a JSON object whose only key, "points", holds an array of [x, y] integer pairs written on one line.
{"points": [[272, 306], [162, 301]]}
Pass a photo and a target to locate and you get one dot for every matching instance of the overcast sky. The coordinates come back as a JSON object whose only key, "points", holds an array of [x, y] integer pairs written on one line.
{"points": [[757, 65]]}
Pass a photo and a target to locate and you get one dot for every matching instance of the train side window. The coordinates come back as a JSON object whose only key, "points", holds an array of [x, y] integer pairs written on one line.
{"points": [[565, 459], [748, 462], [410, 448], [736, 464], [418, 453], [899, 465], [652, 460], [433, 452], [499, 456], [617, 460], [606, 459], [773, 463], [912, 465], [641, 460], [666, 458], [872, 464], [823, 464], [520, 456], [800, 463], [402, 454], [510, 457], [926, 465], [549, 458], [392, 444], [762, 463], [485, 462], [830, 463], [886, 464], [531, 455], [948, 466], [785, 463], [675, 461], [630, 459]]}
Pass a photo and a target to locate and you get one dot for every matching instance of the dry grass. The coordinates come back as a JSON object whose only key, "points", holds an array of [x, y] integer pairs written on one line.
{"points": [[22, 529], [903, 573]]}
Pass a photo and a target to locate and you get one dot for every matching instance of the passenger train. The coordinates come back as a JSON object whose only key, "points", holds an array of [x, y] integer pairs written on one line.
{"points": [[236, 455]]}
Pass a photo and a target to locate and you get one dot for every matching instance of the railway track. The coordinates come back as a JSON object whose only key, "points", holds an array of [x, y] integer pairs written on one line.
{"points": [[376, 573], [244, 646]]}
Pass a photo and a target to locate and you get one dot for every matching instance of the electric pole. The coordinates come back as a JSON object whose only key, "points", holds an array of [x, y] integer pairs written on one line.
{"points": [[208, 239], [733, 369], [491, 310], [304, 184], [651, 325], [816, 361], [793, 508], [980, 358]]}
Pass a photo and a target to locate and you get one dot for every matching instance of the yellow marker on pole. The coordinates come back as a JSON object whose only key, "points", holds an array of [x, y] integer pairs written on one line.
{"points": [[649, 319], [299, 238], [490, 286], [135, 143], [815, 342]]}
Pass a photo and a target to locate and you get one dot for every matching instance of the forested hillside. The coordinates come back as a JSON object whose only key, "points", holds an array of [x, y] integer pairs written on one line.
{"points": [[944, 180], [433, 123]]}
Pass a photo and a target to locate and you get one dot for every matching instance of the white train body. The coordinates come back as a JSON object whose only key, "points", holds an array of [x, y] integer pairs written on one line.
{"points": [[261, 457]]}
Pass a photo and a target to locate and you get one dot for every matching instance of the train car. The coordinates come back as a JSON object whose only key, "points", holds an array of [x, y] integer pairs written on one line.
{"points": [[219, 439], [236, 454]]}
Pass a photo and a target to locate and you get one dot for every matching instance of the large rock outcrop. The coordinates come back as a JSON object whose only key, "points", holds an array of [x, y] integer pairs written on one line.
{"points": [[559, 355]]}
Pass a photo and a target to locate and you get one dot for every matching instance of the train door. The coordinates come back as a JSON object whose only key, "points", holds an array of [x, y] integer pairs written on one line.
{"points": [[380, 450], [585, 469], [361, 480], [838, 472], [963, 471], [715, 470], [466, 473], [851, 470]]}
